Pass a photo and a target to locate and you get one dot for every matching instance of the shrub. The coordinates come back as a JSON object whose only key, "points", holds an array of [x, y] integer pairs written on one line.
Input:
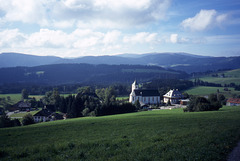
{"points": [[202, 104], [5, 121], [28, 119]]}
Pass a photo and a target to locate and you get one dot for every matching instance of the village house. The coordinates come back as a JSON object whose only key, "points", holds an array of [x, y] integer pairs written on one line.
{"points": [[42, 116], [22, 106], [174, 96], [144, 96], [46, 115], [233, 102]]}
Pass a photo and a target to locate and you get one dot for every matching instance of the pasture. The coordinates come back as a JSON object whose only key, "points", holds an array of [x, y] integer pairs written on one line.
{"points": [[149, 135], [231, 76], [205, 90]]}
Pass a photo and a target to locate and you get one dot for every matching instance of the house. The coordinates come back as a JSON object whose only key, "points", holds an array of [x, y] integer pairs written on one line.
{"points": [[42, 116], [23, 106], [184, 101], [144, 96], [56, 116], [233, 102], [174, 96]]}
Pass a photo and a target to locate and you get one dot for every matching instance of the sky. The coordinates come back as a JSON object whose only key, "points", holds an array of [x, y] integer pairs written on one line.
{"points": [[75, 28]]}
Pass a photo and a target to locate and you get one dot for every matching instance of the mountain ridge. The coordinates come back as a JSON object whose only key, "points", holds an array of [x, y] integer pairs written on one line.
{"points": [[177, 61]]}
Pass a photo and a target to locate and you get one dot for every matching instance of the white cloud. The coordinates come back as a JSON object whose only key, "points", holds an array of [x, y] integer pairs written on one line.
{"points": [[204, 20], [174, 38], [48, 38], [111, 37], [11, 38], [63, 24], [64, 13], [141, 37], [26, 11], [118, 5]]}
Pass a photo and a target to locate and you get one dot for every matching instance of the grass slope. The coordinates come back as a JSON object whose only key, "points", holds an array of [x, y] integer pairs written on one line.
{"points": [[231, 76], [204, 90], [151, 135]]}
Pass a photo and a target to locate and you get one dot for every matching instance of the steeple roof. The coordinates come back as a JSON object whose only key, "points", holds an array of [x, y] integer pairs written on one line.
{"points": [[135, 82]]}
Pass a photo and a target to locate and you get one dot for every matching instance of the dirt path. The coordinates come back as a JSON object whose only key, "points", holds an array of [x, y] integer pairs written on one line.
{"points": [[235, 154]]}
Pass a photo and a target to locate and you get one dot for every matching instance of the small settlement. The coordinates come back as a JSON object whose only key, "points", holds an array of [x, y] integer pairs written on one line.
{"points": [[148, 97]]}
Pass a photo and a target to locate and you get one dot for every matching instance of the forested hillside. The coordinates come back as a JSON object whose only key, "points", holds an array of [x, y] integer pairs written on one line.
{"points": [[177, 61], [85, 73]]}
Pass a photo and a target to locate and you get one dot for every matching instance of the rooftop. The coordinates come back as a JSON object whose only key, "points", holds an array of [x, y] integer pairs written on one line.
{"points": [[173, 94], [234, 100], [146, 92]]}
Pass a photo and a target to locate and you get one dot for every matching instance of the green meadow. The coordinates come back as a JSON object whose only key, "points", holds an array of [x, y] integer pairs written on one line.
{"points": [[231, 76], [149, 135], [204, 90], [17, 97], [21, 114]]}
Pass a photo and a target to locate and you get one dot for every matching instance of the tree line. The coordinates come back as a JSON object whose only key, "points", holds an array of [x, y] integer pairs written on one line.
{"points": [[87, 102]]}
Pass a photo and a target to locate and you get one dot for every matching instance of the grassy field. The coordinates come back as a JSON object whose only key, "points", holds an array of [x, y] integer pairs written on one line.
{"points": [[204, 90], [21, 114], [150, 135], [122, 98], [14, 97], [17, 97], [231, 76]]}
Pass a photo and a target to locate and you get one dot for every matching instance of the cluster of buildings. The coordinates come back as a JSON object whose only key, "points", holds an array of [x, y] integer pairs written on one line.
{"points": [[152, 96], [145, 97], [43, 115]]}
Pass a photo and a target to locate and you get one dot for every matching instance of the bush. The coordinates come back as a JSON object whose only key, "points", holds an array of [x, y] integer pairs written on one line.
{"points": [[5, 121], [28, 119], [202, 104]]}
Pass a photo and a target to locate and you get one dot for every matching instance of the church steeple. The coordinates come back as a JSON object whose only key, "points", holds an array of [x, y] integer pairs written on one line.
{"points": [[134, 85]]}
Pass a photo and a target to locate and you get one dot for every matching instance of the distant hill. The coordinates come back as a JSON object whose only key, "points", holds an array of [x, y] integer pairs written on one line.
{"points": [[177, 61], [17, 59], [85, 73]]}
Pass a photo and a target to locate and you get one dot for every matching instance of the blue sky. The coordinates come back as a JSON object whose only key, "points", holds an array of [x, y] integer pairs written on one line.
{"points": [[73, 28]]}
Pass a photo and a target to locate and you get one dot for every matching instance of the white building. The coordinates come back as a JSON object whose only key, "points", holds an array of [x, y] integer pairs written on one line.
{"points": [[233, 102], [144, 96], [173, 95], [42, 116]]}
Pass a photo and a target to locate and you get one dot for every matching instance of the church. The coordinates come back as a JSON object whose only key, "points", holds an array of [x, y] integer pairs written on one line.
{"points": [[144, 96]]}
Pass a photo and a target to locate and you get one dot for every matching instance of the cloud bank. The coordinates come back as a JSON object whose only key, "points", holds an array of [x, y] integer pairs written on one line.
{"points": [[84, 13], [203, 20]]}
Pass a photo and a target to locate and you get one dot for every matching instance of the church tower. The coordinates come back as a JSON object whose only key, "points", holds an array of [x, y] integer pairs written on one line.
{"points": [[132, 94], [134, 85]]}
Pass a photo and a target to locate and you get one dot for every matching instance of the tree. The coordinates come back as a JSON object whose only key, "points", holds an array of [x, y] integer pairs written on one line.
{"points": [[33, 102], [25, 94], [85, 112], [28, 119], [137, 105], [202, 104], [5, 121], [169, 102], [222, 99]]}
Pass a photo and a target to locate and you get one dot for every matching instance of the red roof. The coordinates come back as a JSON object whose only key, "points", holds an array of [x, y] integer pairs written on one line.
{"points": [[234, 100]]}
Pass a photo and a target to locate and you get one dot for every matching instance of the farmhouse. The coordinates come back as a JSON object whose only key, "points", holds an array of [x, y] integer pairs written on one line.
{"points": [[174, 96], [23, 106], [46, 115], [233, 102], [42, 116], [144, 96]]}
